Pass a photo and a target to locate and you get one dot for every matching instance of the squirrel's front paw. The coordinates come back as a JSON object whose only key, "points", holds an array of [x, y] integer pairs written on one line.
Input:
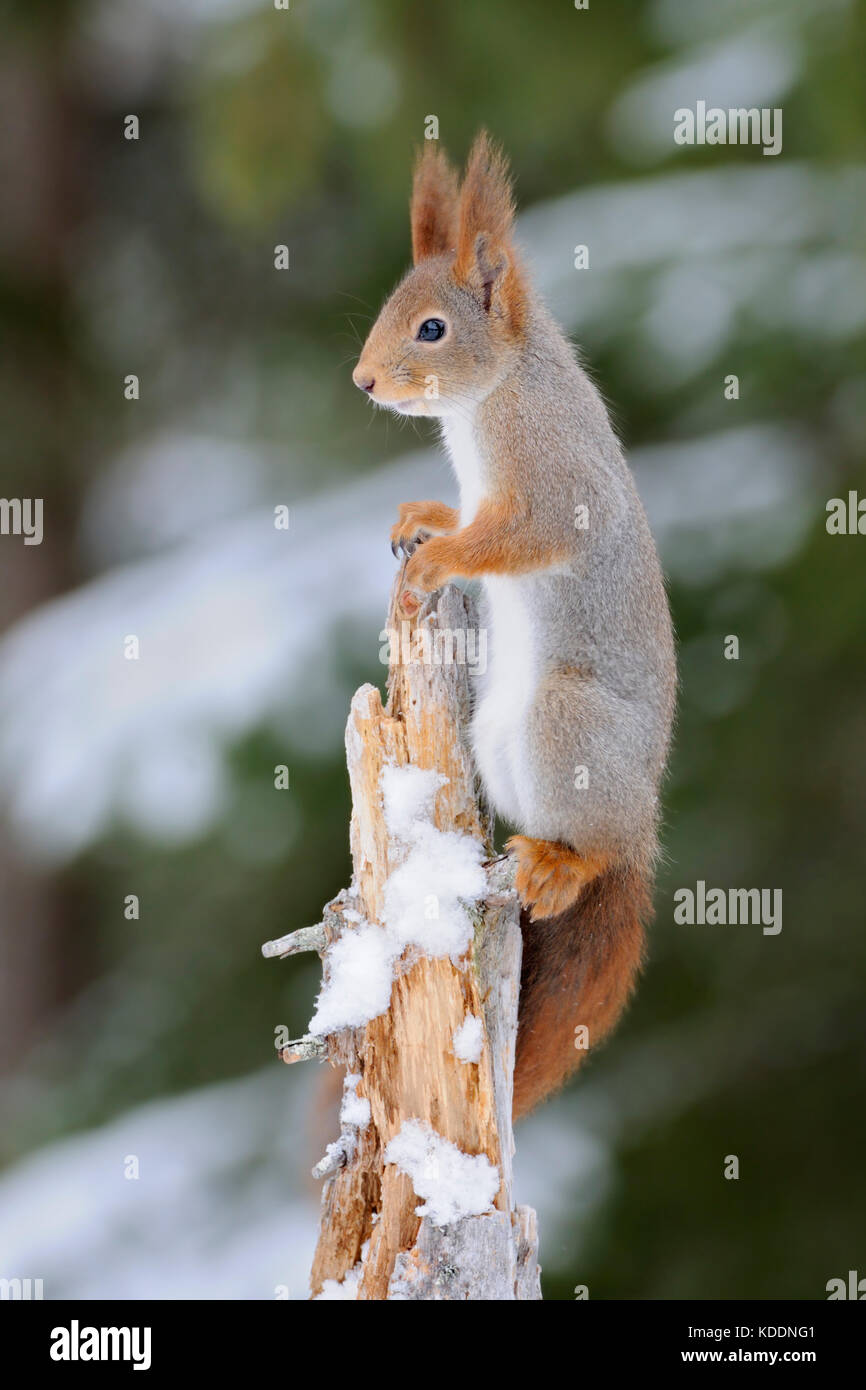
{"points": [[427, 569], [417, 521]]}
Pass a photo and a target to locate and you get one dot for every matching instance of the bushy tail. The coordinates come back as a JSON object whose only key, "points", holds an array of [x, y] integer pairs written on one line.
{"points": [[578, 968]]}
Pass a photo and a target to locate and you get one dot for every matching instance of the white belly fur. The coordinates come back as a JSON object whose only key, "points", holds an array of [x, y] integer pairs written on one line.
{"points": [[499, 724], [458, 431]]}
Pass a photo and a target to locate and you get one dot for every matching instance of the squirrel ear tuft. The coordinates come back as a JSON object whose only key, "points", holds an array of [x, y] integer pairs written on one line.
{"points": [[486, 204], [486, 260], [433, 208]]}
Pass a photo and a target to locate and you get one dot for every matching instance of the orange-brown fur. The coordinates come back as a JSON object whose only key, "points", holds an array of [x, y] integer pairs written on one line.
{"points": [[551, 876], [416, 519], [579, 968], [433, 208], [486, 258], [496, 541]]}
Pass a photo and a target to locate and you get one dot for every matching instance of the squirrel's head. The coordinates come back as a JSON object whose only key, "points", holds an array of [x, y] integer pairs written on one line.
{"points": [[451, 330]]}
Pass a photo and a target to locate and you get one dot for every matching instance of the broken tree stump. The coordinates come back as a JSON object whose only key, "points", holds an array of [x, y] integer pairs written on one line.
{"points": [[419, 999]]}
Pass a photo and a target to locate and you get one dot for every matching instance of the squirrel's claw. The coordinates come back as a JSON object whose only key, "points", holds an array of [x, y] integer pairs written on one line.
{"points": [[407, 543]]}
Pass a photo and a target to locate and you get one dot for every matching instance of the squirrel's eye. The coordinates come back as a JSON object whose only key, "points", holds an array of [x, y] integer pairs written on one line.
{"points": [[431, 330]]}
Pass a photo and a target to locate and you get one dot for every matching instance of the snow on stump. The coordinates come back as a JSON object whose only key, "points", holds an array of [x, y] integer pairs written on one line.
{"points": [[419, 998]]}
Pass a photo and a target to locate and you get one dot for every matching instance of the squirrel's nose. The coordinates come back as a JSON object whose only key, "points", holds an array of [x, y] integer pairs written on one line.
{"points": [[363, 380]]}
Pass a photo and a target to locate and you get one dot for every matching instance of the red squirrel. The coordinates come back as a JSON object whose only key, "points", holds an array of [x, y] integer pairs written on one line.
{"points": [[571, 728]]}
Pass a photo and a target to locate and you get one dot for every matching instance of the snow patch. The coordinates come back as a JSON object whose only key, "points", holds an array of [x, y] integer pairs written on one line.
{"points": [[359, 981], [452, 1184], [336, 1290], [468, 1039], [355, 1109], [408, 794], [426, 898], [426, 904]]}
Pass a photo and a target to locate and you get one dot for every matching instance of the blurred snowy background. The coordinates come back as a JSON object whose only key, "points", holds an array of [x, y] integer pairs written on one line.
{"points": [[153, 1037]]}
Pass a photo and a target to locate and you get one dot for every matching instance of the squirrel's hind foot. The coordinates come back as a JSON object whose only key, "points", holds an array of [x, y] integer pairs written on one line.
{"points": [[550, 875]]}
